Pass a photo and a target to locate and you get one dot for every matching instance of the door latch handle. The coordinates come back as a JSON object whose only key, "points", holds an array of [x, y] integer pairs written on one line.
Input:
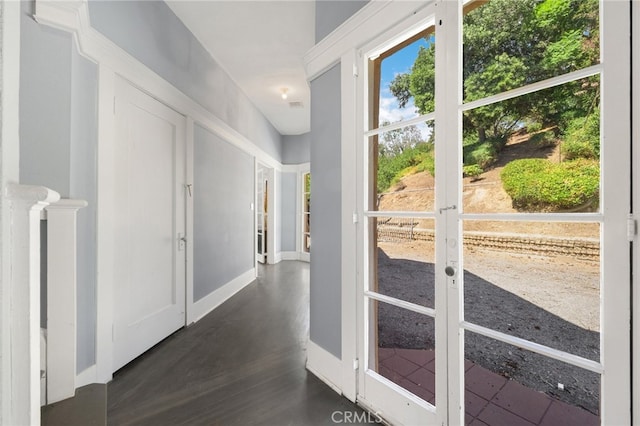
{"points": [[451, 207], [450, 271], [182, 241]]}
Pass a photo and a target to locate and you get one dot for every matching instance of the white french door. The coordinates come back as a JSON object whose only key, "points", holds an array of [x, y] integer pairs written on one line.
{"points": [[149, 264], [475, 303], [261, 213]]}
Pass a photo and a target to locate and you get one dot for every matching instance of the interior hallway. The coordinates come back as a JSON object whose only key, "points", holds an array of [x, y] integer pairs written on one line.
{"points": [[243, 364]]}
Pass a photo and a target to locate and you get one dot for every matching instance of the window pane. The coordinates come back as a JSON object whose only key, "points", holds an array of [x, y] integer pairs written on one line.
{"points": [[535, 153], [512, 43], [307, 183], [403, 349], [536, 281], [405, 259], [508, 385], [404, 165], [403, 81]]}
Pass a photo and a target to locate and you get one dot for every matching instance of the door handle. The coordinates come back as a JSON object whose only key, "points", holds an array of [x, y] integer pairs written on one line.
{"points": [[450, 271]]}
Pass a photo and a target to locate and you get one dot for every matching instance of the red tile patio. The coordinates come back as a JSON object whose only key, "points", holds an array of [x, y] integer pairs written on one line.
{"points": [[490, 399]]}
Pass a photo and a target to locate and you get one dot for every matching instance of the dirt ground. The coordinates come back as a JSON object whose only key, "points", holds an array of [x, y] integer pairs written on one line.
{"points": [[550, 300]]}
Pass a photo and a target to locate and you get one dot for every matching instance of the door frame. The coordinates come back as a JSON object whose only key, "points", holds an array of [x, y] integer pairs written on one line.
{"points": [[270, 175], [259, 180], [353, 185]]}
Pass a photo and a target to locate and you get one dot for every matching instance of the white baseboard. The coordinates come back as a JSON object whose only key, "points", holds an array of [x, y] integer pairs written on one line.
{"points": [[325, 366], [86, 377], [208, 303], [289, 255], [292, 255]]}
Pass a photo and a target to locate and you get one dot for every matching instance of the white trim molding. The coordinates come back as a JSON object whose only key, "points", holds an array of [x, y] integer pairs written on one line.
{"points": [[325, 366], [635, 161], [73, 16], [9, 173], [372, 19], [86, 376], [289, 255], [217, 297]]}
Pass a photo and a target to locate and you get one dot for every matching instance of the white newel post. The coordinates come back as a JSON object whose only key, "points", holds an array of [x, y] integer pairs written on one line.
{"points": [[61, 298], [26, 203]]}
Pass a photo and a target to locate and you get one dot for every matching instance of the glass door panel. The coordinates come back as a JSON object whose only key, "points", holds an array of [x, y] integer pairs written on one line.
{"points": [[398, 154], [405, 168], [405, 260], [405, 350], [306, 213], [538, 152], [535, 281], [533, 264], [506, 384]]}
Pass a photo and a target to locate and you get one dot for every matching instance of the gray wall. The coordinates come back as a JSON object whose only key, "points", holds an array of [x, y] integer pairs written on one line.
{"points": [[330, 14], [223, 220], [58, 139], [58, 104], [325, 314], [288, 190], [296, 149], [45, 104], [151, 32], [83, 186]]}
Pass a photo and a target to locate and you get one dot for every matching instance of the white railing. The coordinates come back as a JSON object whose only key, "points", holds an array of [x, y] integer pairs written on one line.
{"points": [[28, 206], [61, 299], [25, 205]]}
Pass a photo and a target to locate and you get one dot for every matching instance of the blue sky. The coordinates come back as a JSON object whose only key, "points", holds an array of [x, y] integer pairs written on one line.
{"points": [[398, 63]]}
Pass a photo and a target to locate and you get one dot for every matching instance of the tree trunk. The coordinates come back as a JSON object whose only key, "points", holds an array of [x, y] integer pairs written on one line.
{"points": [[482, 134]]}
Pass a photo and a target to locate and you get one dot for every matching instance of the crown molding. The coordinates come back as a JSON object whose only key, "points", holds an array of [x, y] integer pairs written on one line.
{"points": [[73, 17], [372, 19]]}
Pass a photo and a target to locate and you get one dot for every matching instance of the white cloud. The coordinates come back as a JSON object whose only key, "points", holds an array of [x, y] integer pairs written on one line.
{"points": [[391, 112]]}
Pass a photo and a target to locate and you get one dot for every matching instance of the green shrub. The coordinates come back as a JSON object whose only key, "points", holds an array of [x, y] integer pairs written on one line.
{"points": [[481, 154], [472, 171], [391, 168], [427, 164], [539, 185], [582, 137], [574, 149], [533, 127], [544, 139]]}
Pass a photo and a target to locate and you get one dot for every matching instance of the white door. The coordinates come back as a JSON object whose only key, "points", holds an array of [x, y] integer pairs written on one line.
{"points": [[149, 295], [482, 301]]}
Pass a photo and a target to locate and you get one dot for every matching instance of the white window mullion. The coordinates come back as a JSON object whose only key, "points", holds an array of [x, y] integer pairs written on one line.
{"points": [[615, 201], [448, 128]]}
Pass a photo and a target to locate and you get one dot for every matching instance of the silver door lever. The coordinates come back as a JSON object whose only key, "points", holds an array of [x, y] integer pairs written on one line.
{"points": [[452, 207]]}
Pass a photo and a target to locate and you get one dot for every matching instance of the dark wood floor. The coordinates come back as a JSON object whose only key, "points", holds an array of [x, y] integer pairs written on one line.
{"points": [[243, 364]]}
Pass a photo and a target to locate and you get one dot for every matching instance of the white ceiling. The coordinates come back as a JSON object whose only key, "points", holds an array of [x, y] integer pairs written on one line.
{"points": [[260, 43]]}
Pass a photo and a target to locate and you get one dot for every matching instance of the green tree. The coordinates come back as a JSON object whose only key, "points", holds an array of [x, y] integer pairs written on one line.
{"points": [[509, 44], [394, 142]]}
